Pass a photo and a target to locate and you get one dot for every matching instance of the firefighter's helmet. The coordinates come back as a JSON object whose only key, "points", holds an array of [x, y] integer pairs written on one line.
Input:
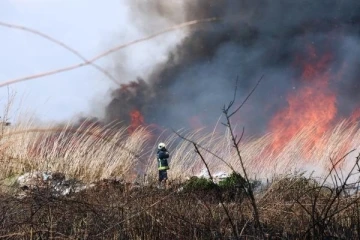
{"points": [[161, 146]]}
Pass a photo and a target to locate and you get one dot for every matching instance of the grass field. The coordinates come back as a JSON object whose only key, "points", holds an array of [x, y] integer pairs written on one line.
{"points": [[92, 152], [294, 202]]}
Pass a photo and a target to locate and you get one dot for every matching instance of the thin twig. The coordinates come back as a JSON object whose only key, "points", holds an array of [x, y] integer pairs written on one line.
{"points": [[218, 193], [247, 97], [112, 50], [61, 44], [247, 187]]}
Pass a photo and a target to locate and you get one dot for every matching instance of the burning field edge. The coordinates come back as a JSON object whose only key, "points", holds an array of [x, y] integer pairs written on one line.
{"points": [[293, 202], [91, 151]]}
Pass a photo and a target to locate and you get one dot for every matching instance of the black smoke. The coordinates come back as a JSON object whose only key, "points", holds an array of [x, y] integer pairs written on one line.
{"points": [[251, 38]]}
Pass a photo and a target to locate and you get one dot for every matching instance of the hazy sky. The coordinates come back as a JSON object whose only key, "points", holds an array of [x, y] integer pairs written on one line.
{"points": [[90, 27]]}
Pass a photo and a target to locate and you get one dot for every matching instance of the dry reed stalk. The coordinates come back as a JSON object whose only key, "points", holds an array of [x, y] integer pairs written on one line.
{"points": [[91, 152], [88, 154]]}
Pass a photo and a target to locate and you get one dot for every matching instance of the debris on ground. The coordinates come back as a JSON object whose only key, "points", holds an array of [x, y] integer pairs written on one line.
{"points": [[55, 182]]}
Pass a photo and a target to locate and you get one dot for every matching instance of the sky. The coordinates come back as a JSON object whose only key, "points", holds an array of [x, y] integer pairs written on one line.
{"points": [[88, 26]]}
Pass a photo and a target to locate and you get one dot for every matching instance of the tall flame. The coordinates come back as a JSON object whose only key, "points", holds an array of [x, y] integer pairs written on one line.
{"points": [[314, 104]]}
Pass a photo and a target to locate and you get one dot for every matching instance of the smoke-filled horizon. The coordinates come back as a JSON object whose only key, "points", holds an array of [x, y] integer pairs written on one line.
{"points": [[306, 50]]}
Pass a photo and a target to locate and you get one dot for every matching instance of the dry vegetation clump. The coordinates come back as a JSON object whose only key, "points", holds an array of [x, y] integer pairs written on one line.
{"points": [[308, 209], [139, 214], [146, 213], [111, 210]]}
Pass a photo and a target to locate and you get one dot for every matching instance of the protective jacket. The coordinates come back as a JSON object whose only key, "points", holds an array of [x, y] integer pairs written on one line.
{"points": [[162, 156]]}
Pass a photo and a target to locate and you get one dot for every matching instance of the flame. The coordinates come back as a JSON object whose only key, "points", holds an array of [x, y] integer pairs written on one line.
{"points": [[137, 120], [314, 104]]}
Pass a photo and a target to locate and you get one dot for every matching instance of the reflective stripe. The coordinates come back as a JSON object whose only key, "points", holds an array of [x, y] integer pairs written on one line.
{"points": [[165, 166]]}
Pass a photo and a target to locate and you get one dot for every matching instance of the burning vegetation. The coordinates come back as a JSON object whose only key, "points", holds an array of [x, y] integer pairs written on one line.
{"points": [[305, 111], [307, 51]]}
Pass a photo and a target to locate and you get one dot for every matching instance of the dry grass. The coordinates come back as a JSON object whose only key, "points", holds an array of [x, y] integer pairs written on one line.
{"points": [[87, 153], [91, 152], [107, 212], [296, 155]]}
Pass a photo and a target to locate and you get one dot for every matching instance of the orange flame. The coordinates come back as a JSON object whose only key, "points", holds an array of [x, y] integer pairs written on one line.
{"points": [[313, 105]]}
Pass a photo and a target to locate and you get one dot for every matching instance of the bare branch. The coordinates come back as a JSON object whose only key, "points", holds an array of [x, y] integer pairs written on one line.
{"points": [[112, 50], [247, 97], [61, 44], [247, 187]]}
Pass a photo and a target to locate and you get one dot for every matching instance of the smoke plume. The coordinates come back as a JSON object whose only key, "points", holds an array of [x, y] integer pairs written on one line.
{"points": [[276, 39]]}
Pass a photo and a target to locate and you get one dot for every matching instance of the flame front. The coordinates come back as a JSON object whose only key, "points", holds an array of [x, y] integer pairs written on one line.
{"points": [[313, 105]]}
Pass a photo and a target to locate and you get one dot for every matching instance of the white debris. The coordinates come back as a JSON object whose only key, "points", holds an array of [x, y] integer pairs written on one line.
{"points": [[216, 176], [221, 175], [55, 182]]}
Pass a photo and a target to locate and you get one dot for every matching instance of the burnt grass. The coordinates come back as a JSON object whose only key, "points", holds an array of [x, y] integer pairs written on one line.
{"points": [[111, 210]]}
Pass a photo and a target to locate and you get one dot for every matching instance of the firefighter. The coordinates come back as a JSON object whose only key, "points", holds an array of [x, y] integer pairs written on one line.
{"points": [[163, 165]]}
